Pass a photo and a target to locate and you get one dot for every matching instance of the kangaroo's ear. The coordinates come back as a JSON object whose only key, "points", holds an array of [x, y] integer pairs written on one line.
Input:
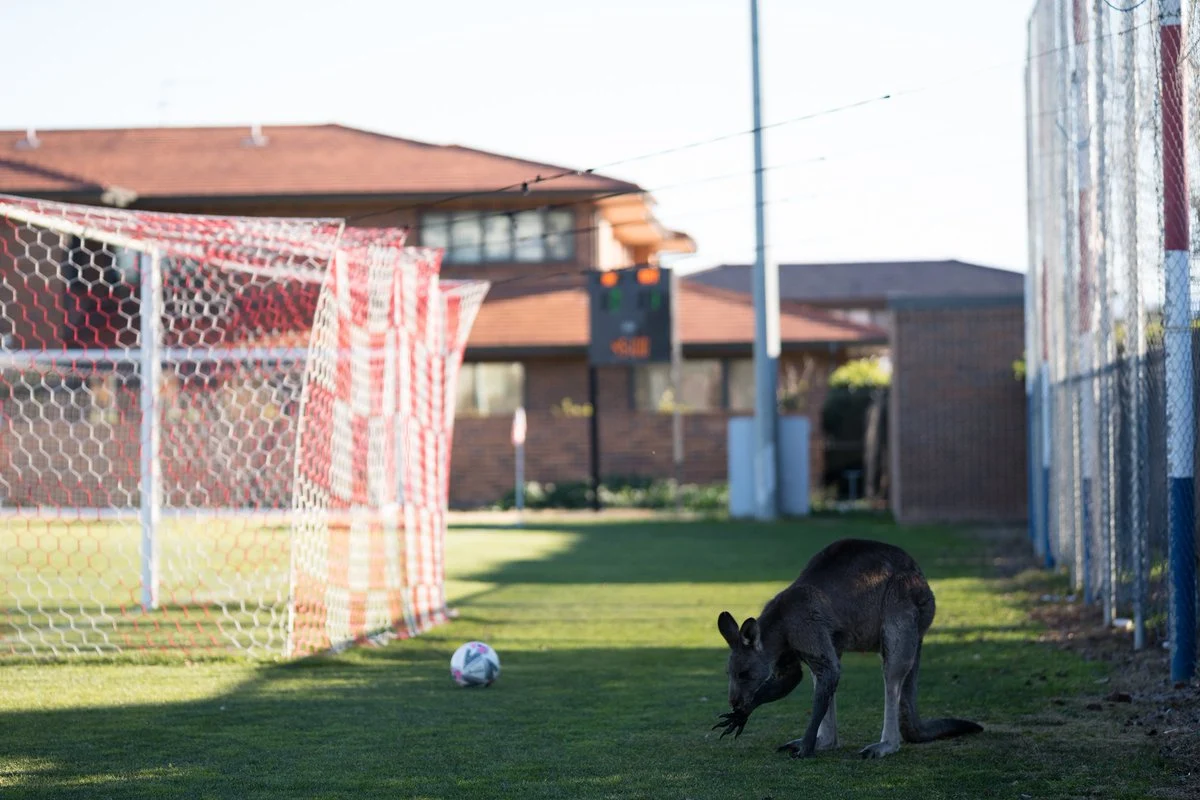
{"points": [[728, 627], [750, 635]]}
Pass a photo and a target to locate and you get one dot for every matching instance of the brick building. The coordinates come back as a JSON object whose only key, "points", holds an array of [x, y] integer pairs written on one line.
{"points": [[958, 413], [533, 239], [536, 336]]}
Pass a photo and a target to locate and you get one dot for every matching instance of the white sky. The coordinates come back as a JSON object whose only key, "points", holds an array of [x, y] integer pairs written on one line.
{"points": [[938, 171]]}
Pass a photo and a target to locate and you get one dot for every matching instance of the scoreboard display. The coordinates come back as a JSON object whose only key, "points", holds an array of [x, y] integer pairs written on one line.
{"points": [[630, 312]]}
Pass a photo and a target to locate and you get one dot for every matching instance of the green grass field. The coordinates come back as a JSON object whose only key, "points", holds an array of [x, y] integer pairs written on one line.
{"points": [[613, 673], [76, 587]]}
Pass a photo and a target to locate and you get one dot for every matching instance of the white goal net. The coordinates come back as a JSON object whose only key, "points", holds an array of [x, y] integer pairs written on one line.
{"points": [[220, 433]]}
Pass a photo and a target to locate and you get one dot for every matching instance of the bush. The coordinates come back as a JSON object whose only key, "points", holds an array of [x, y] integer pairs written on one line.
{"points": [[620, 492], [854, 388], [861, 373]]}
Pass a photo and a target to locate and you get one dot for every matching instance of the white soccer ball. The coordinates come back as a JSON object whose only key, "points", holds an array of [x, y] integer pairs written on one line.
{"points": [[475, 664]]}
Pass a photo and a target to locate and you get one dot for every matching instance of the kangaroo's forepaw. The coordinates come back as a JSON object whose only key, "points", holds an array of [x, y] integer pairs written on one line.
{"points": [[879, 749], [796, 748], [732, 722]]}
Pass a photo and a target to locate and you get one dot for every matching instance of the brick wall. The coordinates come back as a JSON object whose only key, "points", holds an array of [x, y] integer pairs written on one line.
{"points": [[73, 450], [556, 449], [957, 424], [69, 448], [32, 304], [549, 381], [80, 463], [631, 442]]}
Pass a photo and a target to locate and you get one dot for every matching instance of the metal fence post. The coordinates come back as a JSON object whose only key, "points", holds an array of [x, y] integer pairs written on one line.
{"points": [[150, 465], [1178, 343]]}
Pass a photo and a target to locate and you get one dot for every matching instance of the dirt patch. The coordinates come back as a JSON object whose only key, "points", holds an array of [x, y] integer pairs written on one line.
{"points": [[1138, 690], [1138, 687]]}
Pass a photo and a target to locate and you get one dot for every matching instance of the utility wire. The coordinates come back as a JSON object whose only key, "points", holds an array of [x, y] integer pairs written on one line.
{"points": [[593, 228], [584, 270], [538, 179], [525, 185], [596, 198]]}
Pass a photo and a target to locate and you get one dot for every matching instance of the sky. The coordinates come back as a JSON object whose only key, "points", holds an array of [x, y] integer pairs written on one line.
{"points": [[936, 170]]}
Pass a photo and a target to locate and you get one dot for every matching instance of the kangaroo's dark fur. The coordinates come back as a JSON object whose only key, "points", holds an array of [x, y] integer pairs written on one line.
{"points": [[856, 595]]}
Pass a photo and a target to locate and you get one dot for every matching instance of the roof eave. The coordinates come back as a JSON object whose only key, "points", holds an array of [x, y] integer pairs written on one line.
{"points": [[635, 225], [414, 198], [515, 351]]}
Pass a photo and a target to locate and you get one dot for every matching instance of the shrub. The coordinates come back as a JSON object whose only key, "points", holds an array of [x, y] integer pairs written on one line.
{"points": [[854, 388], [620, 492], [569, 408], [861, 373]]}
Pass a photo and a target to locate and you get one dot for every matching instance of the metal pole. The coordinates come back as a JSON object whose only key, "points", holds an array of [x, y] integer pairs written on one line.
{"points": [[520, 484], [1181, 435], [1047, 419], [676, 385], [1066, 395], [1086, 385], [150, 367], [519, 428], [1030, 277], [766, 321], [594, 435], [1135, 348], [1104, 356], [1051, 331]]}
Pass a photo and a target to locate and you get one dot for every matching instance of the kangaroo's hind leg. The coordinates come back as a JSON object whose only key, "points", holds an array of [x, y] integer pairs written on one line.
{"points": [[900, 649], [827, 736], [910, 718]]}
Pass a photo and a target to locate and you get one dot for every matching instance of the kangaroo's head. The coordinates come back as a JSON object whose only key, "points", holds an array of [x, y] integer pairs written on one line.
{"points": [[756, 675]]}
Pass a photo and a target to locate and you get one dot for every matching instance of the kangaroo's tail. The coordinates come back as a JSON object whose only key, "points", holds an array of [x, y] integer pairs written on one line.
{"points": [[916, 730], [927, 730]]}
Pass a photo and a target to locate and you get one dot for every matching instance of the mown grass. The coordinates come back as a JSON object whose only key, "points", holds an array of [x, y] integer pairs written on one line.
{"points": [[613, 673]]}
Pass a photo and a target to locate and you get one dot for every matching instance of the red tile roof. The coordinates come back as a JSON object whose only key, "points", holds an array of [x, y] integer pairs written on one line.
{"points": [[554, 314], [296, 160]]}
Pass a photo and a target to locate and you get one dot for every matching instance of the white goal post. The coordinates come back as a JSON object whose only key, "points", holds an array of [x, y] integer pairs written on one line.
{"points": [[220, 433]]}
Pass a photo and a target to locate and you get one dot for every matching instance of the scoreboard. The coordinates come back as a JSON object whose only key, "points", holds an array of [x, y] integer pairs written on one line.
{"points": [[630, 312]]}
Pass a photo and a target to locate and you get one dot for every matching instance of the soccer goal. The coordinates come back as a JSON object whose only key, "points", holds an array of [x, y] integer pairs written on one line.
{"points": [[220, 433]]}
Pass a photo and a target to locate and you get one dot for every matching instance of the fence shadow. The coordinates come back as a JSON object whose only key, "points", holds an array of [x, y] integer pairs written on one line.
{"points": [[665, 551], [389, 723]]}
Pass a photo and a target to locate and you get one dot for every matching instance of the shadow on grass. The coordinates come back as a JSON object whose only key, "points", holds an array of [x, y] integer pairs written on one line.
{"points": [[719, 552], [577, 722], [595, 721]]}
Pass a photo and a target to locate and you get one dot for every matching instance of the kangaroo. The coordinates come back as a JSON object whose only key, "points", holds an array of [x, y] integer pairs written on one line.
{"points": [[856, 595]]}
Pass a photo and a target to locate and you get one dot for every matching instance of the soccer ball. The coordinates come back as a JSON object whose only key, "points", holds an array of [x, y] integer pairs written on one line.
{"points": [[474, 664]]}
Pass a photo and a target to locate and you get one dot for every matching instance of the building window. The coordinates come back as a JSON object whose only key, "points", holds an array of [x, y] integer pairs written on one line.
{"points": [[700, 386], [490, 389], [722, 384], [101, 295], [740, 375], [472, 237]]}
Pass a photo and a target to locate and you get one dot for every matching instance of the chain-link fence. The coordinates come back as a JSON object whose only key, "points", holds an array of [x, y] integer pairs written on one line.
{"points": [[1113, 180]]}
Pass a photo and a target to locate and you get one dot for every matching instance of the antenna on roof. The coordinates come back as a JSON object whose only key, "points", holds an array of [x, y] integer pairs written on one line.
{"points": [[31, 141], [256, 137], [118, 196]]}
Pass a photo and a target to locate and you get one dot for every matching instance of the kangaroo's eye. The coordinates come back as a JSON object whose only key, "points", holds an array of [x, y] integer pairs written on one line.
{"points": [[744, 675]]}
